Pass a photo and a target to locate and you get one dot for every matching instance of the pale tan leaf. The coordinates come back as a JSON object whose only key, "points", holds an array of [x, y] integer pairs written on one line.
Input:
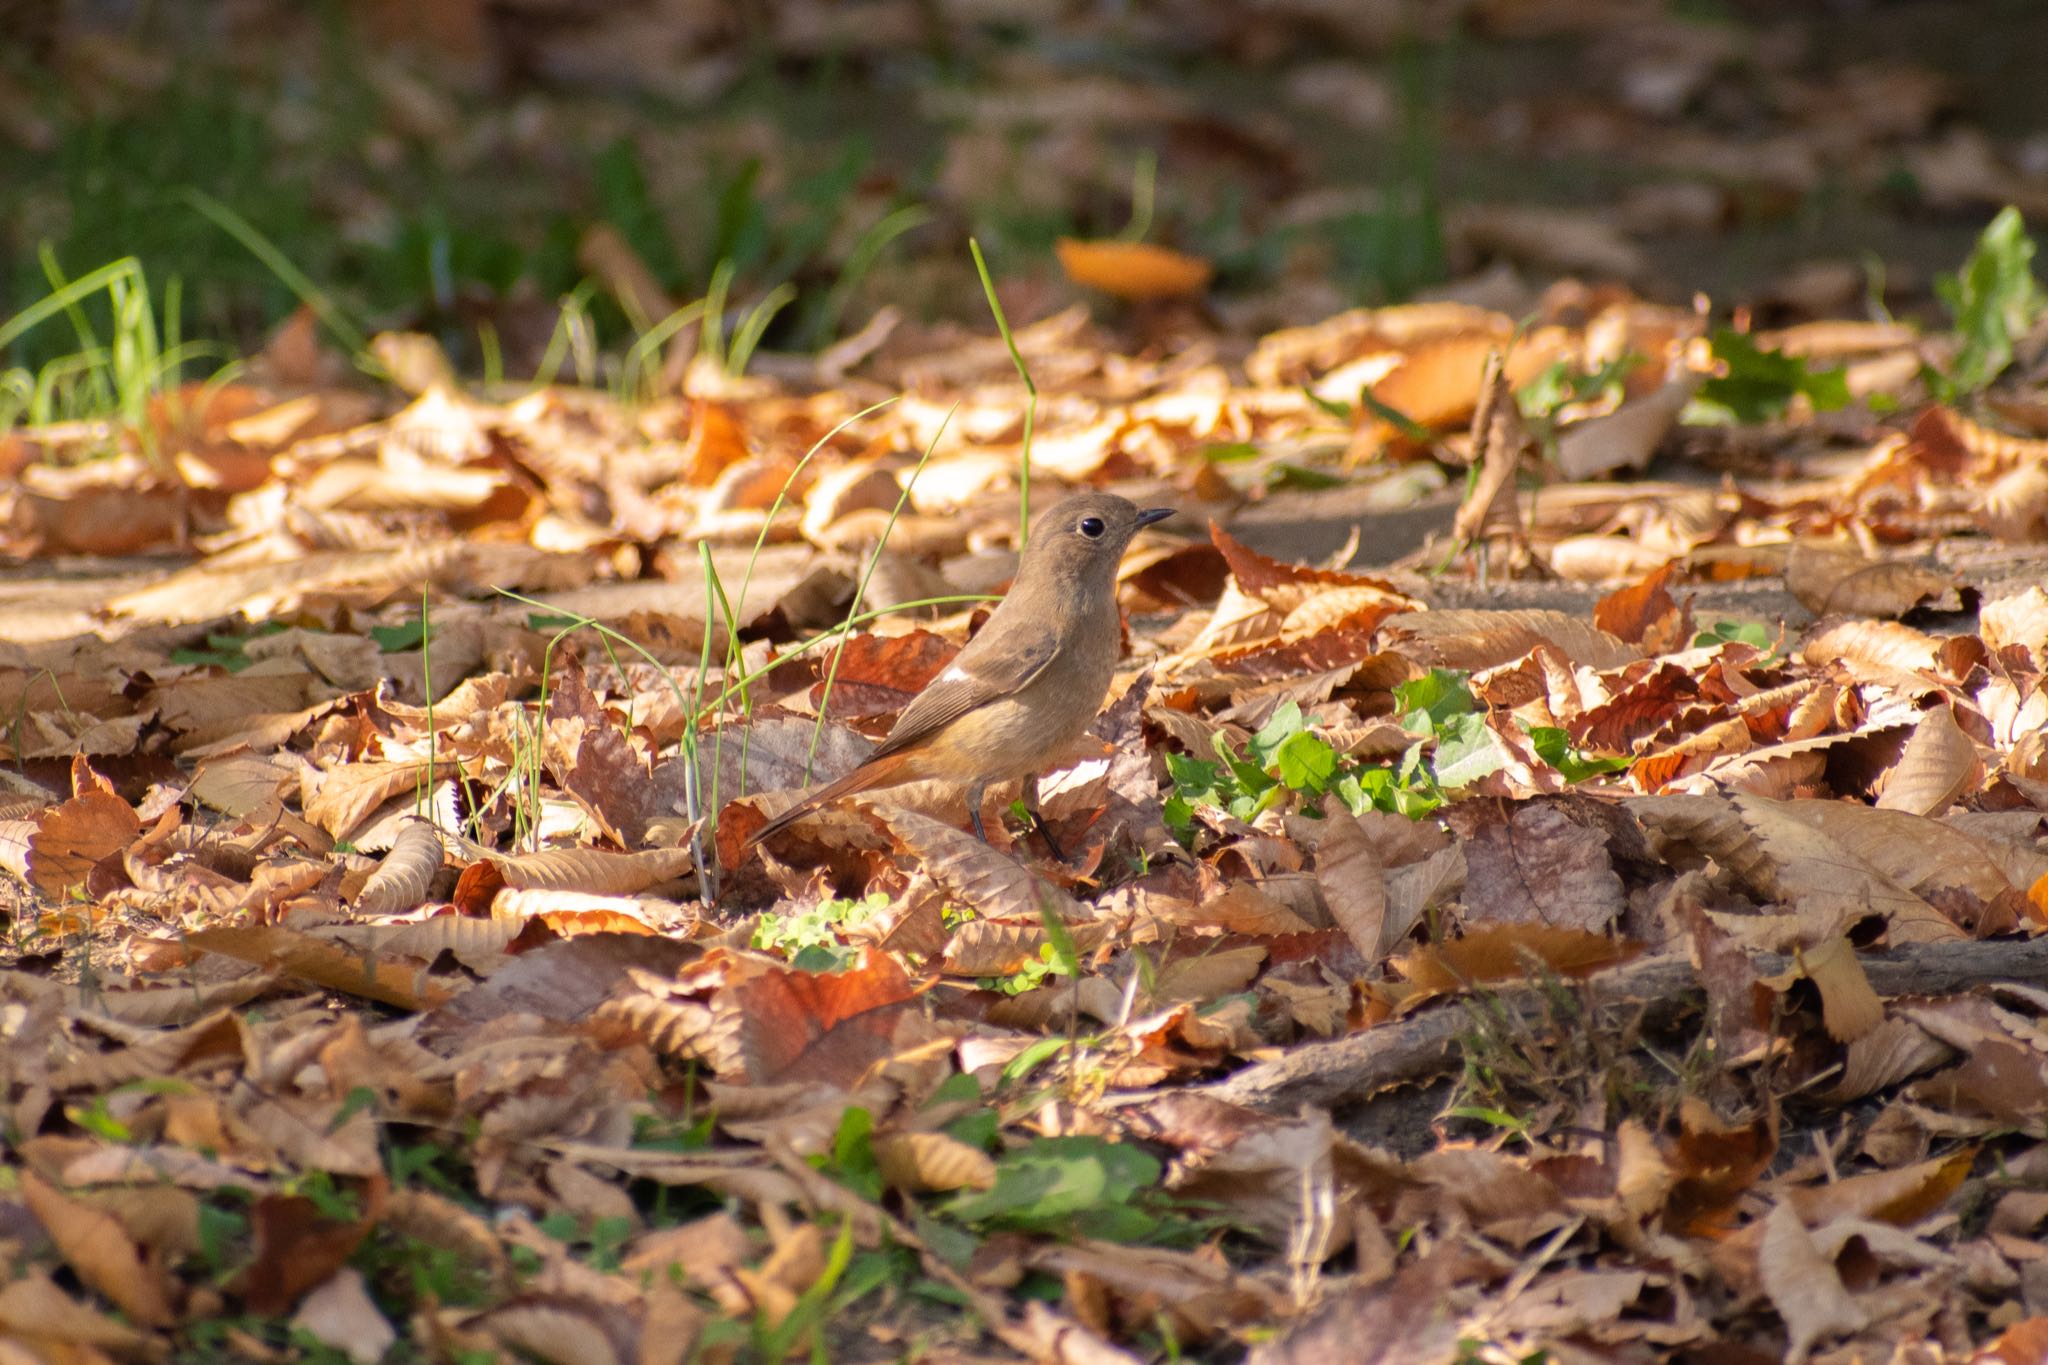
{"points": [[1354, 607], [1294, 355], [34, 1307], [983, 947], [1418, 887], [239, 783], [1242, 908], [1239, 619], [99, 1250], [138, 1165], [2016, 504], [1803, 1285], [1938, 766], [15, 837], [1873, 650], [474, 941], [1354, 883], [1893, 1051], [402, 878], [594, 870], [341, 1315], [1474, 639], [1627, 437], [404, 985], [1765, 845], [697, 1252], [556, 1329], [1603, 558], [1966, 877], [994, 886], [1901, 1196], [167, 1006], [928, 1163], [1829, 581], [342, 798], [1207, 976], [312, 1134], [1849, 1007], [1055, 1007], [2020, 619], [200, 702]]}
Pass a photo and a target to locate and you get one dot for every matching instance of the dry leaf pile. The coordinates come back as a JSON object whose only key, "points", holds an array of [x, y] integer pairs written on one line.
{"points": [[1453, 966]]}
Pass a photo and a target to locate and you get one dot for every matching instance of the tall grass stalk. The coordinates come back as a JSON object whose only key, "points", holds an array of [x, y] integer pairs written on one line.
{"points": [[639, 359], [988, 287], [141, 358], [859, 262], [695, 712], [571, 338], [331, 314], [1144, 194], [425, 782], [734, 660], [860, 592], [746, 338]]}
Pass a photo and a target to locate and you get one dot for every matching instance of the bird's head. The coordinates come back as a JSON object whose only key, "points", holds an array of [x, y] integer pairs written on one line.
{"points": [[1083, 538]]}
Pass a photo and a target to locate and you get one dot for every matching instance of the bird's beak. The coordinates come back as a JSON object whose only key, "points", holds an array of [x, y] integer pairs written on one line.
{"points": [[1152, 514]]}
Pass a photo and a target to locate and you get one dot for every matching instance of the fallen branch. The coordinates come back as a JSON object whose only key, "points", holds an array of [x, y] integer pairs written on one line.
{"points": [[1350, 1069]]}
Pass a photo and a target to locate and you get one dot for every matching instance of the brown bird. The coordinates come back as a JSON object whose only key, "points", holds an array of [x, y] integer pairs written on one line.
{"points": [[1029, 683]]}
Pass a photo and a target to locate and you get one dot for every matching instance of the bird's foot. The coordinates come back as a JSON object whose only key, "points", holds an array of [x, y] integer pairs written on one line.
{"points": [[1045, 833]]}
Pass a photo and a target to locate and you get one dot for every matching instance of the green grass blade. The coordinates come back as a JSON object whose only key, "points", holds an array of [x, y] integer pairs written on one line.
{"points": [[860, 592], [312, 295], [988, 287], [859, 262]]}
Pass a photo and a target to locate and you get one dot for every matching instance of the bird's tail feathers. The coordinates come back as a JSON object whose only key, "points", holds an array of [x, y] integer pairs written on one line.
{"points": [[881, 772]]}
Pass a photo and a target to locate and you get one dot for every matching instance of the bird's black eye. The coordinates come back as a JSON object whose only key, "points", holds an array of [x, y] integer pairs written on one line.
{"points": [[1091, 527]]}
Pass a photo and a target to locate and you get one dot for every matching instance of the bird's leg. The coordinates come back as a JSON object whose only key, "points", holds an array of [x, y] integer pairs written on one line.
{"points": [[974, 808], [1038, 819]]}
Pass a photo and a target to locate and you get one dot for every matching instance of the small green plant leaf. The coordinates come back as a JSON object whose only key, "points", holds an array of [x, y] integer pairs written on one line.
{"points": [[1994, 299], [1466, 750], [1329, 407], [1306, 763], [1053, 1179], [1736, 632], [1032, 1057], [548, 624], [1561, 383], [1395, 418], [1554, 746], [852, 1162], [1063, 957], [811, 940], [1427, 702], [225, 651], [1760, 385], [1285, 724], [396, 639]]}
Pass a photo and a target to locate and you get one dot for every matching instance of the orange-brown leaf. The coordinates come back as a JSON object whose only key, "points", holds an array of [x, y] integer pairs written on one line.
{"points": [[1133, 270]]}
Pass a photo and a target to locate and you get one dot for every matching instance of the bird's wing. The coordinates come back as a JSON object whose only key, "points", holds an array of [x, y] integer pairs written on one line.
{"points": [[973, 679]]}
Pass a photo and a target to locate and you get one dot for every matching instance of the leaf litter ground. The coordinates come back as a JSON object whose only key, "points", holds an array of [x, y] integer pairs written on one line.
{"points": [[1606, 931]]}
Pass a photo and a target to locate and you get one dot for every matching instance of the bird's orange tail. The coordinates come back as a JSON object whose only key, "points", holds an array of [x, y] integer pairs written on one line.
{"points": [[882, 772]]}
